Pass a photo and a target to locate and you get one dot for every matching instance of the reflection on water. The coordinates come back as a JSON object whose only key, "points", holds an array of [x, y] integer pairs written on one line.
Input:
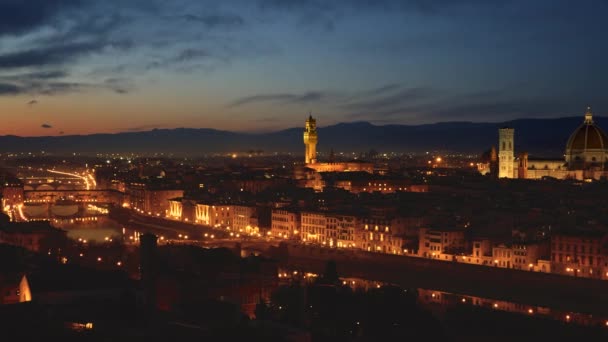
{"points": [[90, 228], [100, 228], [435, 300], [439, 301]]}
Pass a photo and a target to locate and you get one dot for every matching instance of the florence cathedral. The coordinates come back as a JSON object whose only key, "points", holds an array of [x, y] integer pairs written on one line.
{"points": [[585, 157]]}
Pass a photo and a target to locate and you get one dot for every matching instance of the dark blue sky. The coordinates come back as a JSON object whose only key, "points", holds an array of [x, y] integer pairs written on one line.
{"points": [[80, 66]]}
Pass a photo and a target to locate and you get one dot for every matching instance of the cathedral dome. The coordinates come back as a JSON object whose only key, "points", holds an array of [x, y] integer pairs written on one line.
{"points": [[588, 136], [588, 143]]}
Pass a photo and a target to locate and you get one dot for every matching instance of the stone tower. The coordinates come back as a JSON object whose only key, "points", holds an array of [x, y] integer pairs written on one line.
{"points": [[506, 154], [310, 141]]}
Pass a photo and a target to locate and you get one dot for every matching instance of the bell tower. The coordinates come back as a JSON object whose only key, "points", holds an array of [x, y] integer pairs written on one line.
{"points": [[506, 153], [310, 141]]}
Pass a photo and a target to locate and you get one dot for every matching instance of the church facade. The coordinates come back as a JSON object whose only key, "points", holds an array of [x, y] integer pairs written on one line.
{"points": [[585, 157]]}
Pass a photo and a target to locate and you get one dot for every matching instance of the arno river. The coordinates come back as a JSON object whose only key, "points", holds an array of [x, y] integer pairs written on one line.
{"points": [[94, 228], [99, 228]]}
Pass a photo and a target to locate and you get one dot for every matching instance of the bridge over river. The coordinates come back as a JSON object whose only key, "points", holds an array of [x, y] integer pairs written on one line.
{"points": [[78, 196]]}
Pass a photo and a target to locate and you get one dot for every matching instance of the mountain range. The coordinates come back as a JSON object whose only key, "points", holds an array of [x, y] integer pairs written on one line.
{"points": [[540, 137]]}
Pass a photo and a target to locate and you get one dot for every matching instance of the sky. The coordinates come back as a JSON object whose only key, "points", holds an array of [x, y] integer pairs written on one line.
{"points": [[87, 66]]}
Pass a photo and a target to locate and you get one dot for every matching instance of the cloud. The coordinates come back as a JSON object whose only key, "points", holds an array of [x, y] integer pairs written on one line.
{"points": [[119, 85], [386, 100], [18, 17], [77, 35], [9, 89], [54, 82], [39, 75], [212, 21], [505, 109], [191, 54], [43, 82], [337, 6], [312, 96], [396, 97], [50, 33], [46, 126], [482, 106], [383, 89], [191, 59], [142, 128], [59, 54]]}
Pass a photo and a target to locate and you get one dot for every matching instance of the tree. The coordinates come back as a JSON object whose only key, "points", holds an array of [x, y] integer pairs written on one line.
{"points": [[330, 275]]}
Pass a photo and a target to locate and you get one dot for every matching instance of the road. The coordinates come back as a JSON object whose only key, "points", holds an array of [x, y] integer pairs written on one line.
{"points": [[88, 179]]}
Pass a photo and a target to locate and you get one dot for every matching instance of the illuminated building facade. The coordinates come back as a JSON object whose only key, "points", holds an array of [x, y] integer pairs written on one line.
{"points": [[433, 243], [310, 154], [214, 215], [314, 227], [310, 141], [351, 166], [586, 156], [384, 186], [175, 208], [150, 198], [285, 223], [587, 148], [341, 230], [14, 289], [330, 229], [526, 256], [501, 256], [505, 152], [374, 237], [12, 194], [245, 218], [580, 255]]}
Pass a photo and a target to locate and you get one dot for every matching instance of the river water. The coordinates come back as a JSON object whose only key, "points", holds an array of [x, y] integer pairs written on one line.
{"points": [[100, 228], [93, 228]]}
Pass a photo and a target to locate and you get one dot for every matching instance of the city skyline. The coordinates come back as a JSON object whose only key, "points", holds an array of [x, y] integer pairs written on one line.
{"points": [[303, 170], [80, 67]]}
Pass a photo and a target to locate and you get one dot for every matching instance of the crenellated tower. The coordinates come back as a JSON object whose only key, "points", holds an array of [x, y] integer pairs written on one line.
{"points": [[310, 141]]}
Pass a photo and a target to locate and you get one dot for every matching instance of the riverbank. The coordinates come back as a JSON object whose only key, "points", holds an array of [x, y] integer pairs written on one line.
{"points": [[539, 289], [170, 229]]}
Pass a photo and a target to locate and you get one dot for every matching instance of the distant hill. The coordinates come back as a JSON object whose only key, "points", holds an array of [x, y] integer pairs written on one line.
{"points": [[540, 137]]}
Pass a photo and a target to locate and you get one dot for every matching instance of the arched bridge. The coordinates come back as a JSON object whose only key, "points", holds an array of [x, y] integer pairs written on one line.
{"points": [[79, 196]]}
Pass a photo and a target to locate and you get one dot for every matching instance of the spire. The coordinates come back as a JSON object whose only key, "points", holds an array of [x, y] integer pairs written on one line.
{"points": [[309, 115], [588, 116]]}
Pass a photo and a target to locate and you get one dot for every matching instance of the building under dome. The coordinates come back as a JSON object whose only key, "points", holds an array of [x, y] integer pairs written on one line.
{"points": [[587, 147], [586, 156]]}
